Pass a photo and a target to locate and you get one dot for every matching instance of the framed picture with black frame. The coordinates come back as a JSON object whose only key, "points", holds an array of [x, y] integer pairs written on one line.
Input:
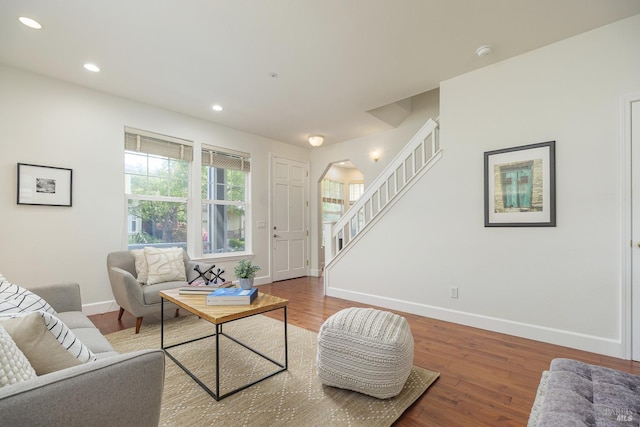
{"points": [[520, 186], [44, 185]]}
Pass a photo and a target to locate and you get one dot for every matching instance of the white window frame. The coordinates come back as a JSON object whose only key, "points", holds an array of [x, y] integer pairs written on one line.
{"points": [[137, 145], [244, 204]]}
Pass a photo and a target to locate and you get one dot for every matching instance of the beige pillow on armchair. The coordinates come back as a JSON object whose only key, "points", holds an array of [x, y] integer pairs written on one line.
{"points": [[165, 265]]}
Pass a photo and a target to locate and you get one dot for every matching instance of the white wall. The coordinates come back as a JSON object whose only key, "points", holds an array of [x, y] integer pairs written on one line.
{"points": [[423, 107], [560, 284], [49, 122]]}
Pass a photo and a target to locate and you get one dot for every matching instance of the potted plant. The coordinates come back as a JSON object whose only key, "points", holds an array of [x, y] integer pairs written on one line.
{"points": [[245, 272]]}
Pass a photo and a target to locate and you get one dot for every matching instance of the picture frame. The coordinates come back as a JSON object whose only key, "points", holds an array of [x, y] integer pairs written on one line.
{"points": [[520, 186], [44, 185]]}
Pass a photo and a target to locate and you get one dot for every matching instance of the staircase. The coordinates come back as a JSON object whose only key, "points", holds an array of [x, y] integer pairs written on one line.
{"points": [[415, 159]]}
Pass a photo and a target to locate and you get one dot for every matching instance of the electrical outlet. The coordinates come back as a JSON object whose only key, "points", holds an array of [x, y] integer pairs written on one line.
{"points": [[453, 293]]}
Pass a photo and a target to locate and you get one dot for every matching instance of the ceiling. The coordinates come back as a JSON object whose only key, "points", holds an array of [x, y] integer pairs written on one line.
{"points": [[334, 59]]}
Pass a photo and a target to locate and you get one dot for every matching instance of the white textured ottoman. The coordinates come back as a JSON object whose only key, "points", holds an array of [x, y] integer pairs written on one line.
{"points": [[365, 350]]}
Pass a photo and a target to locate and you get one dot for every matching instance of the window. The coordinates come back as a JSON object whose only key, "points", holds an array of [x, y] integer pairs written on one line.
{"points": [[332, 204], [224, 196], [156, 189], [332, 200], [355, 191]]}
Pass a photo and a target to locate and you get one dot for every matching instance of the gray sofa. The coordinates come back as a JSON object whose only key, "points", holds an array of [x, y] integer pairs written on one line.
{"points": [[116, 390], [574, 393]]}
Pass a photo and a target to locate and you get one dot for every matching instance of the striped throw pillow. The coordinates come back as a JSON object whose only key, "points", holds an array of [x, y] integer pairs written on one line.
{"points": [[16, 299]]}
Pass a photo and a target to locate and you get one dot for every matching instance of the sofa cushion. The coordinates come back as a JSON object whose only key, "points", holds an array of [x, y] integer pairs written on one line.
{"points": [[16, 299], [86, 332], [165, 265], [46, 341], [14, 365], [151, 293], [93, 339], [75, 320], [583, 394]]}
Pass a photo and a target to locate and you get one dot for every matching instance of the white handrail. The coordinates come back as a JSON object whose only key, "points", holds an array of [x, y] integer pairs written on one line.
{"points": [[413, 158]]}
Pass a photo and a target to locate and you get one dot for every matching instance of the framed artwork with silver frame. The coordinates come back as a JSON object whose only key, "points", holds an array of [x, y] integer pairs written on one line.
{"points": [[520, 186]]}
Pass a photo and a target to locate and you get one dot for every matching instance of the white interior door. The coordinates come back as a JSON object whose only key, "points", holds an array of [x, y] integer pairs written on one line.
{"points": [[635, 227], [290, 231]]}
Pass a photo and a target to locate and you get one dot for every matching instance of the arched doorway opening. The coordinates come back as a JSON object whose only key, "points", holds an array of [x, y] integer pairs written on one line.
{"points": [[341, 186]]}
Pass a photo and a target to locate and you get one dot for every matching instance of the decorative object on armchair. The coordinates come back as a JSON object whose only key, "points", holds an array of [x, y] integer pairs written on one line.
{"points": [[245, 272], [137, 290]]}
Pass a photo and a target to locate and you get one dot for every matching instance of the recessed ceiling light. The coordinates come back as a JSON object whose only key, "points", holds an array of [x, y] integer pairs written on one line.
{"points": [[92, 67], [217, 107], [31, 23]]}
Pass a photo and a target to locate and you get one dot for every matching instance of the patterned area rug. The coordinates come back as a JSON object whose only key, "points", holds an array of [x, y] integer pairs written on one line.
{"points": [[294, 397]]}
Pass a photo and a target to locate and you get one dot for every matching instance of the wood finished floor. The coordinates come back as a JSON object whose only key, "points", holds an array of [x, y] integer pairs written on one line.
{"points": [[486, 378]]}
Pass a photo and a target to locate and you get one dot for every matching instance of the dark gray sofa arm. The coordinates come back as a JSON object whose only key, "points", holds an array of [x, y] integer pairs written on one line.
{"points": [[61, 296], [123, 390]]}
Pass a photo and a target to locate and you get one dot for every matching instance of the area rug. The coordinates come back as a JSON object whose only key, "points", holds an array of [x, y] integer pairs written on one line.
{"points": [[294, 397]]}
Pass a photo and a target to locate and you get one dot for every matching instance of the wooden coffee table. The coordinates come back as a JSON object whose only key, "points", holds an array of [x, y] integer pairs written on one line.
{"points": [[219, 315]]}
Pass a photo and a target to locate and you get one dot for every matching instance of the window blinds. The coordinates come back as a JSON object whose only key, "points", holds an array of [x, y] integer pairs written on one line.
{"points": [[158, 145], [218, 158]]}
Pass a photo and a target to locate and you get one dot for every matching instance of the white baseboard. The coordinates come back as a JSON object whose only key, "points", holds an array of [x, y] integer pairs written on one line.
{"points": [[600, 345], [99, 307], [315, 272]]}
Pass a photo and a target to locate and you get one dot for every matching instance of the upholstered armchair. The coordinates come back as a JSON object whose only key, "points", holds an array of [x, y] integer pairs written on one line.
{"points": [[141, 299]]}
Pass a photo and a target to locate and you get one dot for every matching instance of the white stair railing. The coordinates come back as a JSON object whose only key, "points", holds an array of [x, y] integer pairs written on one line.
{"points": [[418, 156]]}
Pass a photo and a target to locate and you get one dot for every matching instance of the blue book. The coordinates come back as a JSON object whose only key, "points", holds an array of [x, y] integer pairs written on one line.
{"points": [[232, 296]]}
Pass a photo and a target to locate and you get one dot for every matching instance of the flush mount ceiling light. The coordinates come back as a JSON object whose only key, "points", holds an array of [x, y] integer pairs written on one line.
{"points": [[217, 107], [316, 140], [484, 50], [31, 23], [92, 67]]}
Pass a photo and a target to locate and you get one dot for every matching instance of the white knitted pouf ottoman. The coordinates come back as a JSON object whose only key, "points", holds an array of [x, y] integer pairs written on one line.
{"points": [[365, 350]]}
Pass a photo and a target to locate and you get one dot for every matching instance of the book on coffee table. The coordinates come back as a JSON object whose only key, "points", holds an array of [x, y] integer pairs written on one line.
{"points": [[232, 296], [199, 288]]}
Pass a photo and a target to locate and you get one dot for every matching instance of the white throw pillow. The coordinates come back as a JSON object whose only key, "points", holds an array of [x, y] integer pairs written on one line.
{"points": [[165, 265], [46, 341], [142, 268], [18, 299], [14, 366]]}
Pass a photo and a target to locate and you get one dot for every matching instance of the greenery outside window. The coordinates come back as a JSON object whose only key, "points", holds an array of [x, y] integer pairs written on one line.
{"points": [[224, 178], [156, 189]]}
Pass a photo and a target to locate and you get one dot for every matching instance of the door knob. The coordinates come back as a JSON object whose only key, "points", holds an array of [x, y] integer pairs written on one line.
{"points": [[276, 235]]}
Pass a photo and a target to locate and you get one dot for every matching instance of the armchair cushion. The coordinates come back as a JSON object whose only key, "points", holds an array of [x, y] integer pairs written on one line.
{"points": [[165, 265]]}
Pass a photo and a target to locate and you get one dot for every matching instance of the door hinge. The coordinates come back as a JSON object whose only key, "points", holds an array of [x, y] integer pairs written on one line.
{"points": [[307, 263], [307, 233], [307, 203]]}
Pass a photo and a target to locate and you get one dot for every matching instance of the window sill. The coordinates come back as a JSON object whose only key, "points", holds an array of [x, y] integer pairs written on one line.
{"points": [[234, 256]]}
